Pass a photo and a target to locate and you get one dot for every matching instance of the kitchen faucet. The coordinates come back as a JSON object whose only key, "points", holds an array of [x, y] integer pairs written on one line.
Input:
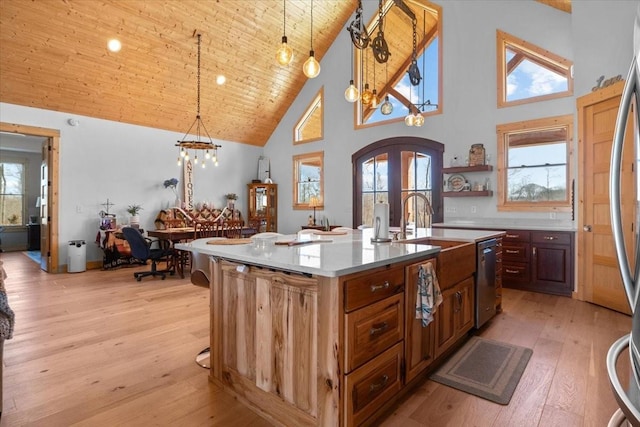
{"points": [[428, 213]]}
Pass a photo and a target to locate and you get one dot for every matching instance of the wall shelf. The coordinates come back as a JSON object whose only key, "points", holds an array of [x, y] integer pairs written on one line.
{"points": [[467, 193], [461, 169]]}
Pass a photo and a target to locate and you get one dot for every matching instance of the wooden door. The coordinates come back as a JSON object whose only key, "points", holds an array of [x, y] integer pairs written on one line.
{"points": [[43, 214], [599, 278]]}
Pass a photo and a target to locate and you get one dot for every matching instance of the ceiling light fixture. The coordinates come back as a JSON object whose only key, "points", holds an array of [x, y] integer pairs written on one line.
{"points": [[352, 93], [210, 149], [311, 67], [114, 45], [387, 107], [284, 54]]}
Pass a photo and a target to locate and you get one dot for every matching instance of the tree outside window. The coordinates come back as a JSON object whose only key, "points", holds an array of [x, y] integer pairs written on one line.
{"points": [[12, 193]]}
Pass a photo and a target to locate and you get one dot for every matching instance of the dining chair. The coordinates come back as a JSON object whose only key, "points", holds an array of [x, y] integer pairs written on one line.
{"points": [[207, 228], [233, 228]]}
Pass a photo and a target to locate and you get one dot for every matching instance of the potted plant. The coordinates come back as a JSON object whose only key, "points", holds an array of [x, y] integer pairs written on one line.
{"points": [[231, 198], [134, 210]]}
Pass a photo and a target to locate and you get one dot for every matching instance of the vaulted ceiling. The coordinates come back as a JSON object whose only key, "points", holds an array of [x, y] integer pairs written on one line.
{"points": [[53, 55]]}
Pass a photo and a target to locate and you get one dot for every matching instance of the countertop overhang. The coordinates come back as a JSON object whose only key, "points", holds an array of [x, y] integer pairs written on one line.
{"points": [[344, 254]]}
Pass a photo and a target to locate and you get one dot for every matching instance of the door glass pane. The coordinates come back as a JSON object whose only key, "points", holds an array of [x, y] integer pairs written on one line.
{"points": [[375, 185]]}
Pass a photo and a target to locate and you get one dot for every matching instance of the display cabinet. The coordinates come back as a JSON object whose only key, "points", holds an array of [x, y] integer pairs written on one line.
{"points": [[263, 206]]}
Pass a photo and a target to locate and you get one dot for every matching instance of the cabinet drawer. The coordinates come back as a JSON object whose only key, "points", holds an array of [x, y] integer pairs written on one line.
{"points": [[555, 237], [515, 272], [369, 387], [517, 252], [371, 287], [516, 236], [373, 329]]}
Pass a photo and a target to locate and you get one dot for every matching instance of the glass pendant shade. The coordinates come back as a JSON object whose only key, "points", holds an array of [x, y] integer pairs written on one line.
{"points": [[387, 107], [418, 120], [284, 54], [311, 67], [410, 119], [367, 95], [352, 93], [375, 102]]}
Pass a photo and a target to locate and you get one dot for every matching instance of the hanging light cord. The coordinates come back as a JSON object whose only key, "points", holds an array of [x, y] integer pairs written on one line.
{"points": [[311, 24], [284, 18], [198, 114]]}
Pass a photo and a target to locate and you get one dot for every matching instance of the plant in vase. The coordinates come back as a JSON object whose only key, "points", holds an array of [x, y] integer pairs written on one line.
{"points": [[231, 199], [134, 211], [173, 185]]}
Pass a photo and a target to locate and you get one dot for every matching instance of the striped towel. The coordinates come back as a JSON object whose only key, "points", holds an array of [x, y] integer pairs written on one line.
{"points": [[428, 296]]}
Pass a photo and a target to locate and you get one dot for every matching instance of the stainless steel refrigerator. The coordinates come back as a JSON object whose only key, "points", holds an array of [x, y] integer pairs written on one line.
{"points": [[628, 398]]}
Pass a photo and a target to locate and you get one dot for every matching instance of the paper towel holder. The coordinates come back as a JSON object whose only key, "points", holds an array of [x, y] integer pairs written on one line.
{"points": [[376, 230]]}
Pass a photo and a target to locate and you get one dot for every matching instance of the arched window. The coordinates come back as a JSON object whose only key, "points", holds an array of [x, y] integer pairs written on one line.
{"points": [[388, 170]]}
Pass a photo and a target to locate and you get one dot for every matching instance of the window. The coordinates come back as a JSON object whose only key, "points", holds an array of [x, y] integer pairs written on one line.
{"points": [[12, 188], [307, 179], [527, 73], [391, 78], [533, 159], [310, 127], [388, 170]]}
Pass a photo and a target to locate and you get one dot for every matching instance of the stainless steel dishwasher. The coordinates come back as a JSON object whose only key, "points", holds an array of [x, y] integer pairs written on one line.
{"points": [[485, 307]]}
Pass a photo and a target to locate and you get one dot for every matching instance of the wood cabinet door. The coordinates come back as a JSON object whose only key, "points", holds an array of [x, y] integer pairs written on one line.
{"points": [[419, 340], [446, 320], [466, 298], [552, 269]]}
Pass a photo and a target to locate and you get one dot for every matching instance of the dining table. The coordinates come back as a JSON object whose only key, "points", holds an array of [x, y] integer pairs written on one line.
{"points": [[182, 234]]}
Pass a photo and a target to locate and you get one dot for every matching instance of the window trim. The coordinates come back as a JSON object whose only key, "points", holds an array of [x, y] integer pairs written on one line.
{"points": [[308, 112], [297, 161], [536, 54], [503, 132]]}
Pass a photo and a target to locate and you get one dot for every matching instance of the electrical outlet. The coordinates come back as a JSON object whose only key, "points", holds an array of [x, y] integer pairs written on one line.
{"points": [[474, 209], [78, 209], [552, 215]]}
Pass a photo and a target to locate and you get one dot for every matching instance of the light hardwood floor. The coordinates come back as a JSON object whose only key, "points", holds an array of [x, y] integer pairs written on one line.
{"points": [[99, 348]]}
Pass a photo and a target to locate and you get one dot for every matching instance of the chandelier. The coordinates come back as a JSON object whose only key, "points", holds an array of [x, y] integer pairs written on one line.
{"points": [[207, 149]]}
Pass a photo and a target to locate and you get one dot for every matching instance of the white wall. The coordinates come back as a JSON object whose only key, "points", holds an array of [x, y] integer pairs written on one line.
{"points": [[596, 36], [127, 164]]}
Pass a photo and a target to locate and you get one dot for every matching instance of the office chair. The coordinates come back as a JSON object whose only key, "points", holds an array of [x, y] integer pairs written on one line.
{"points": [[141, 249]]}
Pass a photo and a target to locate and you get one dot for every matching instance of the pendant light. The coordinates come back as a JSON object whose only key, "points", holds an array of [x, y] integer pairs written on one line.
{"points": [[311, 67], [367, 95], [387, 107], [352, 93], [375, 102], [284, 54], [185, 145]]}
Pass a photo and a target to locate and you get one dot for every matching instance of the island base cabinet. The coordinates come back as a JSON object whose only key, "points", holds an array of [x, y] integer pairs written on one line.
{"points": [[265, 343], [372, 385], [454, 317]]}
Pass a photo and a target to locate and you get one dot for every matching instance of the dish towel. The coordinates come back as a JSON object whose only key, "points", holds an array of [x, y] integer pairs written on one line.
{"points": [[428, 297]]}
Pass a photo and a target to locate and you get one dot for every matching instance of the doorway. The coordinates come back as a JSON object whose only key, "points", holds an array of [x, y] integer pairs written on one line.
{"points": [[48, 190]]}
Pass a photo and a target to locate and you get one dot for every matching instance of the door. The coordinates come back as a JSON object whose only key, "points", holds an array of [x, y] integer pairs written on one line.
{"points": [[599, 278], [44, 207]]}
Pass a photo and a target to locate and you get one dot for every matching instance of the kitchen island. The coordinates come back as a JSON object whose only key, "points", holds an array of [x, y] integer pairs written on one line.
{"points": [[325, 333]]}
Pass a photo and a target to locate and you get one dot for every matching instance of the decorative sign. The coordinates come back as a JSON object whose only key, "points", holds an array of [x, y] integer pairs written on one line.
{"points": [[188, 186], [476, 155], [601, 83]]}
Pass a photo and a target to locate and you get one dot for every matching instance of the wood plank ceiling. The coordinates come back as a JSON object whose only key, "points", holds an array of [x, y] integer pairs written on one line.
{"points": [[53, 56]]}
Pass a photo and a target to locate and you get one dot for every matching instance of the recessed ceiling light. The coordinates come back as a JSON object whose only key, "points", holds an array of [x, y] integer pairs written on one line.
{"points": [[220, 79], [114, 45]]}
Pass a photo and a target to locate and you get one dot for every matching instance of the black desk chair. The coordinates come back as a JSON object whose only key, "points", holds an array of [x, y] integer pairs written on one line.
{"points": [[141, 249]]}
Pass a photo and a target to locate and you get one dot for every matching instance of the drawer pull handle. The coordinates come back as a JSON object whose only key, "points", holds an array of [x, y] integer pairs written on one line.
{"points": [[511, 251], [511, 271], [375, 288], [379, 385], [377, 329], [512, 236], [550, 238]]}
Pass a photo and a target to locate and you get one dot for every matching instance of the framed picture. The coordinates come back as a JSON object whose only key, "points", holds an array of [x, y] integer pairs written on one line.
{"points": [[476, 155]]}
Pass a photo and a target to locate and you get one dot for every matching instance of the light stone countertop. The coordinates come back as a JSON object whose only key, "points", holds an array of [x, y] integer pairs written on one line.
{"points": [[344, 254]]}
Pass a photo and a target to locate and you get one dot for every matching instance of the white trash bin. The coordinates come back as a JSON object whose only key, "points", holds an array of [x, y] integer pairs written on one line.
{"points": [[76, 256]]}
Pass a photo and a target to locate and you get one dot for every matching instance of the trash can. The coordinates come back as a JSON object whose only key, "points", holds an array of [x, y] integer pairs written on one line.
{"points": [[76, 256]]}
